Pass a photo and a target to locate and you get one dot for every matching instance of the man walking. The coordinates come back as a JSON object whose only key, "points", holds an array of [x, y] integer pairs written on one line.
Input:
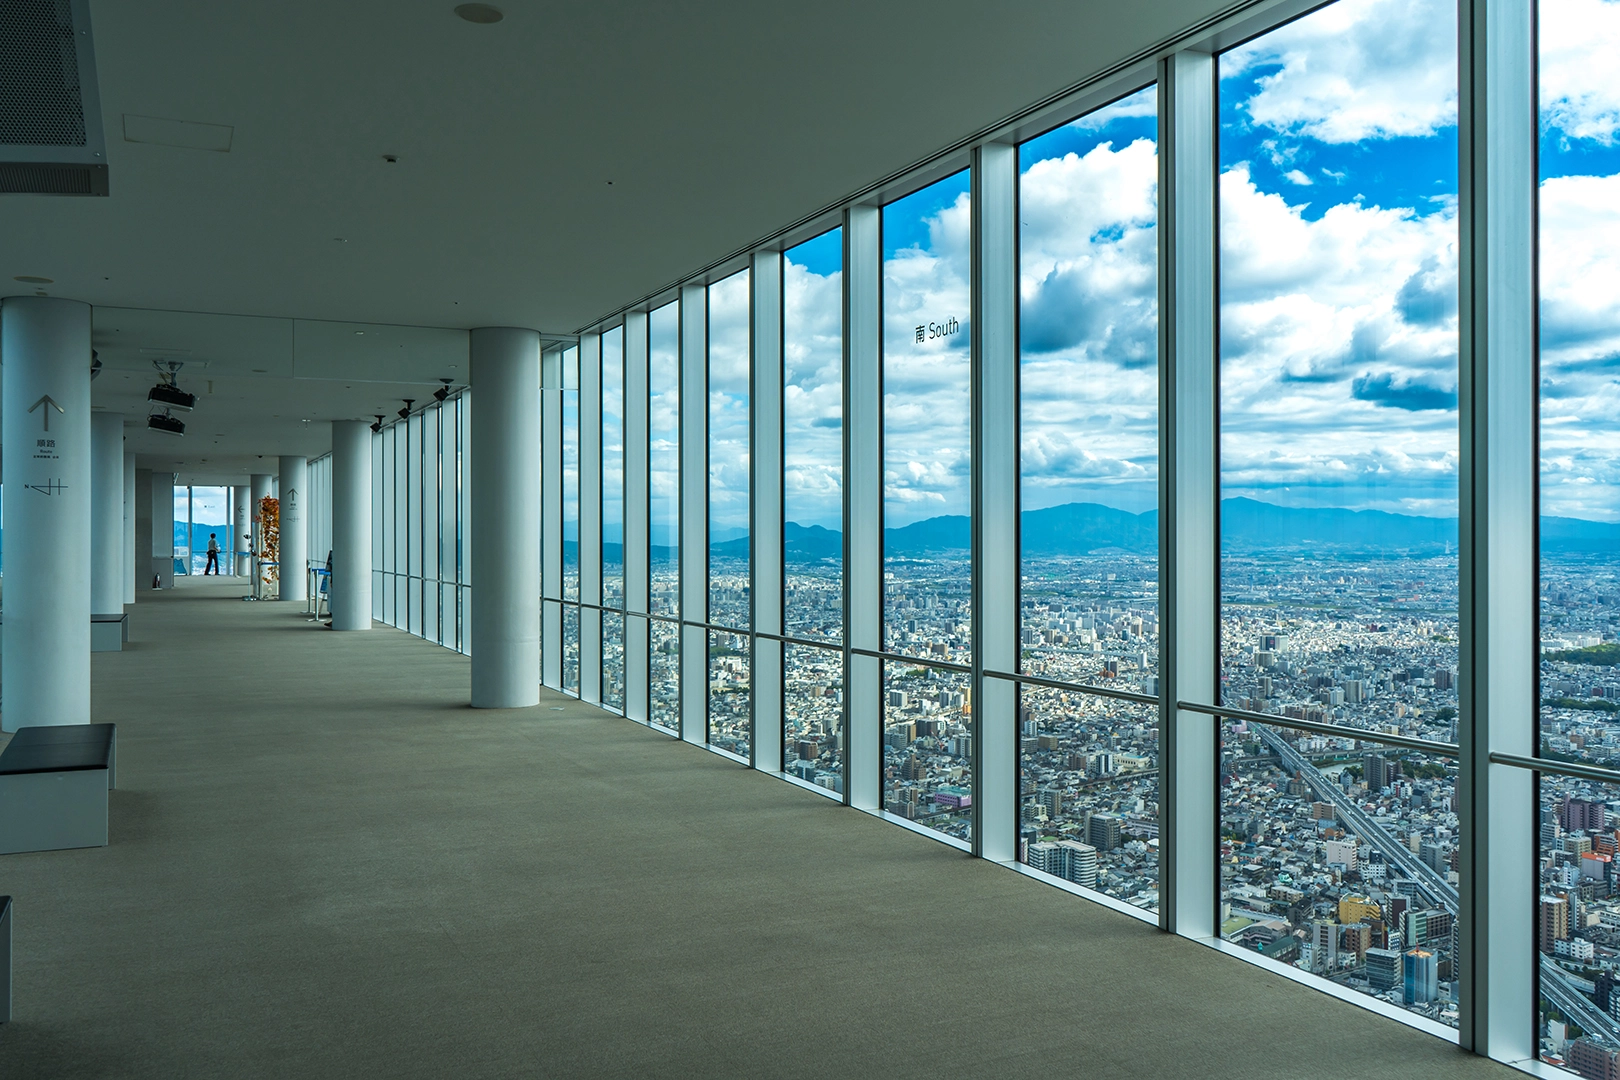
{"points": [[213, 555]]}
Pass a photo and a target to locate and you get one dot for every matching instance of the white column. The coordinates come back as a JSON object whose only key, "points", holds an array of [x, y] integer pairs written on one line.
{"points": [[1497, 604], [294, 529], [505, 512], [863, 510], [163, 528], [590, 517], [995, 501], [351, 525], [1188, 497], [242, 523], [106, 513], [130, 574], [765, 505], [45, 649], [143, 529], [694, 487], [637, 572]]}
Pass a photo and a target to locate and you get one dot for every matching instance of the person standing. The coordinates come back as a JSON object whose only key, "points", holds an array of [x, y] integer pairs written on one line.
{"points": [[213, 555]]}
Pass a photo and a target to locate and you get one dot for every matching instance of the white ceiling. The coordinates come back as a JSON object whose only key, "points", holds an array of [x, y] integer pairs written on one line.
{"points": [[716, 122]]}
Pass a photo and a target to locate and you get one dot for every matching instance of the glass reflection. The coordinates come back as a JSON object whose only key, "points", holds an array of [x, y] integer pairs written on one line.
{"points": [[570, 474]]}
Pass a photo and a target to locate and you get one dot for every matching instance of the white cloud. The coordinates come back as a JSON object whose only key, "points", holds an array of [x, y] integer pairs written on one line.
{"points": [[927, 385], [1088, 259], [1294, 176], [812, 396], [1356, 69], [729, 403], [1339, 342], [1579, 41], [1580, 347]]}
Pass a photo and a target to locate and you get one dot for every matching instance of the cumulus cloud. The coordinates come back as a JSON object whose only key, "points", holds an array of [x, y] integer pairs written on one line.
{"points": [[1580, 97], [1355, 70], [1088, 260], [1339, 352], [927, 385], [1580, 346], [728, 403], [812, 396]]}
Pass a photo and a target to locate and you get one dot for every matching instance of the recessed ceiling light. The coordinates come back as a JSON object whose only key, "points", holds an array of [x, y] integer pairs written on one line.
{"points": [[32, 280], [258, 371], [359, 333], [479, 13]]}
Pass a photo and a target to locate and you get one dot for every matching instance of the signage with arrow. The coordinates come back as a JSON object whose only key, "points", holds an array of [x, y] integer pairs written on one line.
{"points": [[50, 401]]}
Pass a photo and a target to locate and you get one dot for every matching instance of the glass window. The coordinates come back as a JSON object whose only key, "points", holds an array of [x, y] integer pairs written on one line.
{"points": [[1340, 857], [570, 474], [1579, 267], [730, 692], [1089, 393], [664, 674], [813, 439], [927, 747], [927, 426], [729, 443], [1339, 450], [570, 647], [210, 520], [612, 475], [1579, 279], [1339, 436], [664, 459], [813, 716], [613, 661], [1088, 797]]}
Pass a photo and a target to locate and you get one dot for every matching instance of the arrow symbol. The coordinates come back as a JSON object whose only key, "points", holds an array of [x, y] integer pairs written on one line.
{"points": [[47, 400]]}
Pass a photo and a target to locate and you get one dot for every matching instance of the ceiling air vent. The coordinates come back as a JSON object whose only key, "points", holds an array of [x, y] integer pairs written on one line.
{"points": [[50, 111]]}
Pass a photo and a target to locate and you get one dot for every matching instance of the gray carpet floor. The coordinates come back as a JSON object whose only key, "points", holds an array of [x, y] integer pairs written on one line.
{"points": [[323, 863]]}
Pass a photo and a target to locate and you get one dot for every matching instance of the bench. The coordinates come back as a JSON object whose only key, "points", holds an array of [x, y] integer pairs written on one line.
{"points": [[109, 633], [5, 959], [53, 787]]}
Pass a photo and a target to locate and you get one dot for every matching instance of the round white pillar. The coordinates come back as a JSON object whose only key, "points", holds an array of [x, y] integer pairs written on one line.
{"points": [[504, 477], [106, 513], [351, 525], [45, 468], [294, 532], [242, 523], [129, 527]]}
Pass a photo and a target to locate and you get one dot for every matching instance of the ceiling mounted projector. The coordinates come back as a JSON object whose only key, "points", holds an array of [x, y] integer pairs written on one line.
{"points": [[165, 423], [172, 397], [167, 392]]}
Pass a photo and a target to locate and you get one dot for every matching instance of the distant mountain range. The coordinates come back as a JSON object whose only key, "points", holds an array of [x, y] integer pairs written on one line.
{"points": [[1246, 525]]}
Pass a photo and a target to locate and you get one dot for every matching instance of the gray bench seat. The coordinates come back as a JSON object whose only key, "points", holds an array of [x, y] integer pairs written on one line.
{"points": [[53, 787]]}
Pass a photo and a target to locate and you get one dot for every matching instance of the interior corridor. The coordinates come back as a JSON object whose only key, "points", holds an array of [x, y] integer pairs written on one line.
{"points": [[323, 863]]}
